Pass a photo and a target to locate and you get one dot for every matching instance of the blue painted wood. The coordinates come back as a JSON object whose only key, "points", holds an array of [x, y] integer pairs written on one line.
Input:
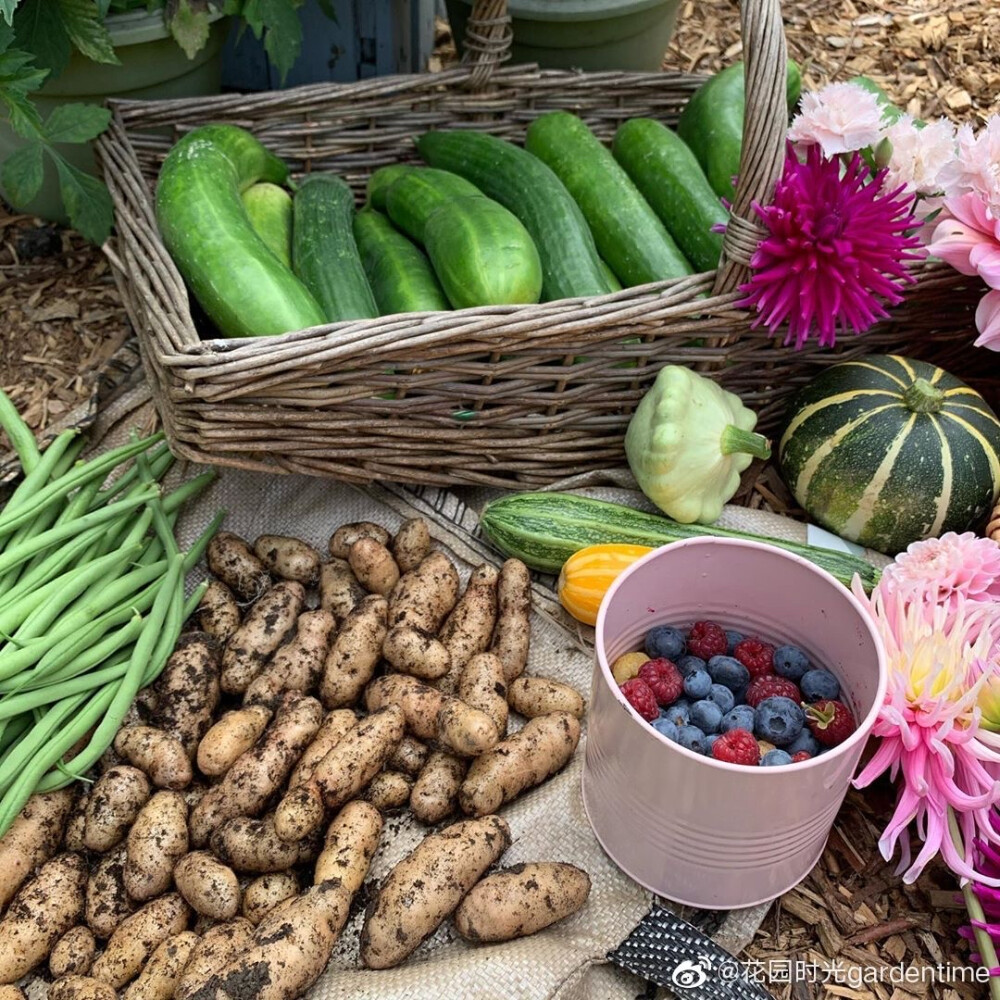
{"points": [[368, 38]]}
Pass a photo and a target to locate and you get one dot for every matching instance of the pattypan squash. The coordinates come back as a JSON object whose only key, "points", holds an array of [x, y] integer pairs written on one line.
{"points": [[688, 442]]}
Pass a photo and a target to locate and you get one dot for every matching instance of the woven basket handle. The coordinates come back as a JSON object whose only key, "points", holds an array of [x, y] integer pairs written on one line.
{"points": [[488, 36]]}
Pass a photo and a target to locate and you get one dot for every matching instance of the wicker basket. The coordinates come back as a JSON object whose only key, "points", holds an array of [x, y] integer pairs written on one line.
{"points": [[506, 396]]}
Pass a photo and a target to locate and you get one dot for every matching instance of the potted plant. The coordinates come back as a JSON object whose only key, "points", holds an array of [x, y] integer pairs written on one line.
{"points": [[59, 61]]}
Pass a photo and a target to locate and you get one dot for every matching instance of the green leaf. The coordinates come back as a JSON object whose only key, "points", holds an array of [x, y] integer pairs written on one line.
{"points": [[87, 201], [40, 30], [7, 8], [189, 24], [328, 9], [22, 173], [21, 113], [278, 22], [87, 31], [76, 122]]}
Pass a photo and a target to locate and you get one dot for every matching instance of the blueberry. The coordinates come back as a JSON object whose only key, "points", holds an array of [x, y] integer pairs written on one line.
{"points": [[691, 738], [710, 742], [775, 758], [732, 638], [729, 673], [665, 727], [779, 720], [741, 717], [665, 641], [722, 697], [678, 713], [819, 684], [688, 663], [790, 662], [804, 741], [697, 684], [706, 715]]}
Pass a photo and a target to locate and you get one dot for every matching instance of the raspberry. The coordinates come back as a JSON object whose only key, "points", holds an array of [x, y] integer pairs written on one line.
{"points": [[736, 747], [801, 756], [770, 686], [663, 679], [706, 639], [756, 655], [640, 696], [831, 722]]}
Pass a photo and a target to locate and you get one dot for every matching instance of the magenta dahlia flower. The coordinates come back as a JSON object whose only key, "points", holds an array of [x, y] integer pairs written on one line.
{"points": [[836, 252], [983, 904]]}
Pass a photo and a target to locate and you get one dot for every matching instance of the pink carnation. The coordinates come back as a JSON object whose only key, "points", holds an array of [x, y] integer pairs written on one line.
{"points": [[840, 118], [919, 154], [976, 167]]}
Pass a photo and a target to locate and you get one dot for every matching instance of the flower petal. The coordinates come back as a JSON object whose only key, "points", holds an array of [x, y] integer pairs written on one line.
{"points": [[988, 321]]}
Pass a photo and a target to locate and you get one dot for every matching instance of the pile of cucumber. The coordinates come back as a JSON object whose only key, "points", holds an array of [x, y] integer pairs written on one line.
{"points": [[484, 222]]}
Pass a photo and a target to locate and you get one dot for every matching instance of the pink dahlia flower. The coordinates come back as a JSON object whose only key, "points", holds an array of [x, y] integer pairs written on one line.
{"points": [[836, 251], [840, 118]]}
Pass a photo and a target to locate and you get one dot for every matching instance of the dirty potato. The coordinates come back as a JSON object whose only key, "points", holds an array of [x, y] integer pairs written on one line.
{"points": [[289, 558], [519, 762], [162, 757], [161, 973], [409, 757], [252, 846], [138, 936], [11, 992], [373, 565], [521, 900], [424, 596], [411, 543], [115, 801], [482, 686], [230, 559], [75, 825], [339, 590], [230, 737], [347, 534], [435, 792], [43, 910], [469, 628], [534, 696], [350, 844], [263, 894], [217, 611], [265, 627], [107, 903], [214, 950], [73, 953], [157, 839], [389, 791], [512, 634], [354, 653], [208, 886], [411, 651], [329, 734], [423, 889], [80, 988], [187, 692], [32, 839]]}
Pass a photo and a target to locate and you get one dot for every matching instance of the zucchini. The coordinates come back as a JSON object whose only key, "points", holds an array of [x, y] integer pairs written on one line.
{"points": [[239, 283], [712, 123], [401, 277], [519, 181], [672, 181], [324, 253], [544, 529], [269, 208], [628, 233], [481, 253]]}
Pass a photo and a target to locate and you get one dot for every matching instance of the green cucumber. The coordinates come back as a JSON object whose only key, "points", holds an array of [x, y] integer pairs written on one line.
{"points": [[242, 287], [481, 253], [270, 210], [519, 181], [544, 529], [401, 277], [380, 181], [324, 253], [712, 123], [628, 233], [672, 181], [610, 277]]}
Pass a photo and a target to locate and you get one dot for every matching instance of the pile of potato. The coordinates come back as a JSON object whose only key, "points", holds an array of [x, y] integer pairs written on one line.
{"points": [[267, 754]]}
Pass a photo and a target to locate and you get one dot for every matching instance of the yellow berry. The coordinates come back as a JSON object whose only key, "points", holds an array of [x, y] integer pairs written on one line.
{"points": [[627, 666]]}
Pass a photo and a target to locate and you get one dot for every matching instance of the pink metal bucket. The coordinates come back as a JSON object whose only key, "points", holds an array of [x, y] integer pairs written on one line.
{"points": [[691, 828]]}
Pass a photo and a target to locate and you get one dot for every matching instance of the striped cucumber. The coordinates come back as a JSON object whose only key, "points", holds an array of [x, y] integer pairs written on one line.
{"points": [[380, 181], [270, 210], [481, 253], [401, 277], [510, 175], [628, 233], [672, 181], [243, 288], [545, 529], [324, 253]]}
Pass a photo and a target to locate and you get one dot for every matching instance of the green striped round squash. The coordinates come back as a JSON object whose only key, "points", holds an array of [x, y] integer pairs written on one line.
{"points": [[886, 450]]}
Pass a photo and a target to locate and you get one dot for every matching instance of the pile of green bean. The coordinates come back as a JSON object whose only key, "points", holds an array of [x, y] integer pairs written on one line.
{"points": [[91, 600]]}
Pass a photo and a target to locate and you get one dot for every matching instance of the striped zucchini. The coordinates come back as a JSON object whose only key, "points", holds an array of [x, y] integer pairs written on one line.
{"points": [[886, 450], [544, 529]]}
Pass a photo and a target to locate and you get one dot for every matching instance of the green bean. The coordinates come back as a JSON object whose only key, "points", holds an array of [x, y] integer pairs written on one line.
{"points": [[43, 471], [187, 491], [21, 437], [160, 461], [14, 704], [86, 472], [13, 730], [163, 528]]}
